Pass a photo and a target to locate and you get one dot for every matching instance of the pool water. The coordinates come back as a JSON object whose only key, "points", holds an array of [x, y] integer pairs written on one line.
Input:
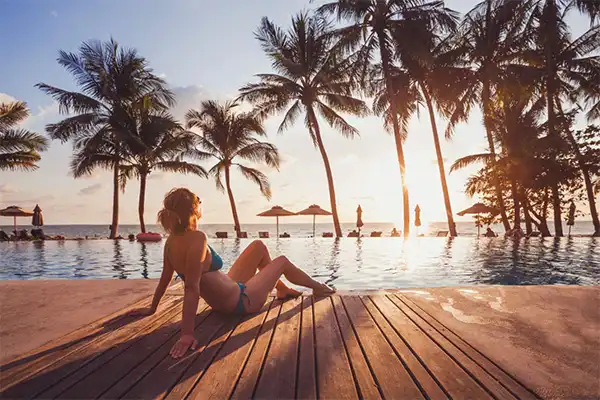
{"points": [[347, 264]]}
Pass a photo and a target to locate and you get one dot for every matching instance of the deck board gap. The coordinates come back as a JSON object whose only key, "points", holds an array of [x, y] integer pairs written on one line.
{"points": [[464, 368], [360, 345], [264, 360], [408, 303], [411, 349], [299, 341], [314, 331], [258, 332]]}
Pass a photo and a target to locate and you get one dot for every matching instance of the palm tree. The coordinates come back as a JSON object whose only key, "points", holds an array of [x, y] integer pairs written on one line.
{"points": [[229, 136], [373, 23], [312, 79], [163, 145], [490, 37], [551, 32], [19, 148], [111, 78]]}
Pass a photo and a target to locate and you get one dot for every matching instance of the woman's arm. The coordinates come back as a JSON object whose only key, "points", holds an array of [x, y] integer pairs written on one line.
{"points": [[195, 257], [163, 284]]}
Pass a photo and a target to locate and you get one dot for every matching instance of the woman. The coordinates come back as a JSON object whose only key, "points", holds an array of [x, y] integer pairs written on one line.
{"points": [[244, 289]]}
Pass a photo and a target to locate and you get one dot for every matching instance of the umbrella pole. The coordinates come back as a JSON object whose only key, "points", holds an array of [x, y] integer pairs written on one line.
{"points": [[314, 225], [15, 224], [277, 217], [478, 226]]}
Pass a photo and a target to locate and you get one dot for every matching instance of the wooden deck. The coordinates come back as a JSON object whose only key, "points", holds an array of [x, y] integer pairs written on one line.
{"points": [[375, 346]]}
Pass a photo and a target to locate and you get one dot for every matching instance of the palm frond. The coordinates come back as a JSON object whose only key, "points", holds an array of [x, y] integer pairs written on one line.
{"points": [[336, 121], [257, 177], [12, 114], [22, 140], [260, 152], [181, 167], [464, 162], [71, 102], [19, 161]]}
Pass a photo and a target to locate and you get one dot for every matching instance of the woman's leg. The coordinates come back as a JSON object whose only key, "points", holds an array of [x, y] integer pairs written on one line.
{"points": [[261, 284], [255, 257]]}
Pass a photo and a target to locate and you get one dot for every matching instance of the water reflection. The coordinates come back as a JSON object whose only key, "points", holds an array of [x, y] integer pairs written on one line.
{"points": [[368, 263]]}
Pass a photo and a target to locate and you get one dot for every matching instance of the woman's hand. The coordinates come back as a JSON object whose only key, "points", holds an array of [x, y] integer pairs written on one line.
{"points": [[141, 312], [184, 343]]}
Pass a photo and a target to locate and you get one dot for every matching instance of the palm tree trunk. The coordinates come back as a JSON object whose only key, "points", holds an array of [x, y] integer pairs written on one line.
{"points": [[490, 138], [114, 227], [517, 206], [550, 95], [317, 132], [526, 214], [236, 219], [385, 59], [142, 201], [589, 187], [440, 160]]}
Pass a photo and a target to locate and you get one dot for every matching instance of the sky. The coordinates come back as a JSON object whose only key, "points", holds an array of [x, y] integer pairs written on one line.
{"points": [[206, 50]]}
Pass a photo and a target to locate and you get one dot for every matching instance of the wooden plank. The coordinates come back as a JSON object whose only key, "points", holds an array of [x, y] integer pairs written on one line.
{"points": [[200, 364], [334, 375], [251, 371], [514, 386], [50, 353], [100, 380], [393, 378], [483, 378], [48, 377], [367, 382], [456, 382], [169, 371], [411, 361], [306, 386], [278, 377], [98, 364], [126, 382], [221, 376]]}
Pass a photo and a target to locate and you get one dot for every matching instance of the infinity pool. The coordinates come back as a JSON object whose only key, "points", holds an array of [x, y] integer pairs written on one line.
{"points": [[372, 263]]}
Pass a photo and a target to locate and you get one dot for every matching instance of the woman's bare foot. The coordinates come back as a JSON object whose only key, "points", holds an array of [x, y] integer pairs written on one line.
{"points": [[288, 293], [323, 290]]}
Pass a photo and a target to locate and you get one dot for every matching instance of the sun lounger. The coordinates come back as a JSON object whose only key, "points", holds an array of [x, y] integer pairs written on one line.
{"points": [[284, 235], [353, 234], [441, 234], [263, 235], [327, 234], [221, 235], [376, 234], [242, 235]]}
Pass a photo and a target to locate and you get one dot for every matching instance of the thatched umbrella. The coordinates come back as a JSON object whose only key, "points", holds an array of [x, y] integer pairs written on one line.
{"points": [[38, 218], [359, 221], [313, 210], [478, 208], [276, 211], [14, 211]]}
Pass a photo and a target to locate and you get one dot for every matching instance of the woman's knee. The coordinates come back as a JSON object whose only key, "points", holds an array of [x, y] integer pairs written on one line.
{"points": [[259, 246], [283, 261]]}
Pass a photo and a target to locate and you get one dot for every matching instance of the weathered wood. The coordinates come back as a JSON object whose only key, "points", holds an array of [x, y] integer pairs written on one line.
{"points": [[394, 379], [514, 386], [306, 386], [334, 375], [199, 365], [74, 361], [368, 387], [405, 353], [485, 380], [130, 379], [278, 377], [96, 383], [159, 381], [220, 377], [249, 376]]}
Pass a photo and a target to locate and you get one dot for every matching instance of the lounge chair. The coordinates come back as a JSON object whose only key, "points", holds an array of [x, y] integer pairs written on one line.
{"points": [[263, 235], [354, 234], [327, 234], [242, 235], [221, 235], [376, 234], [441, 234], [284, 235]]}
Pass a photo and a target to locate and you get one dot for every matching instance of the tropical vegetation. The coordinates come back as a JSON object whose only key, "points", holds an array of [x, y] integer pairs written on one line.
{"points": [[19, 148], [516, 61], [229, 136]]}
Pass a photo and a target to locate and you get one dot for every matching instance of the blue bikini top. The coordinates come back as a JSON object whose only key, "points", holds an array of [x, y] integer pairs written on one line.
{"points": [[217, 262]]}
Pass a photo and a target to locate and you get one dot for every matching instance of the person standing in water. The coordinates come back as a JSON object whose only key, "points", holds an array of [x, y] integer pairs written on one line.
{"points": [[242, 290]]}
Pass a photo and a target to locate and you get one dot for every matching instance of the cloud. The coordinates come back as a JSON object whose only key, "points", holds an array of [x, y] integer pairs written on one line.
{"points": [[54, 13], [188, 97], [6, 98], [89, 190], [156, 176], [7, 189]]}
